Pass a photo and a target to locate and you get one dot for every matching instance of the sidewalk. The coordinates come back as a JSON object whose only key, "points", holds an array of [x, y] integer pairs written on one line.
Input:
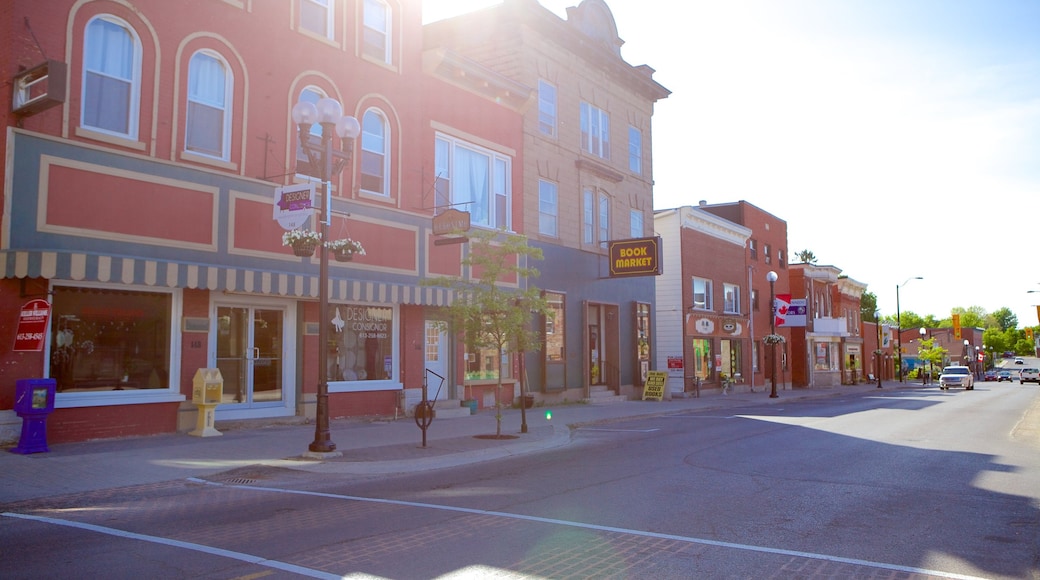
{"points": [[368, 448]]}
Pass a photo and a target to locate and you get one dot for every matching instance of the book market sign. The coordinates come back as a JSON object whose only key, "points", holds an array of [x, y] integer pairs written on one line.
{"points": [[637, 257]]}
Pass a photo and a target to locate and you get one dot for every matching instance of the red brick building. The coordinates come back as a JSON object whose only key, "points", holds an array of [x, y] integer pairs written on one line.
{"points": [[144, 149]]}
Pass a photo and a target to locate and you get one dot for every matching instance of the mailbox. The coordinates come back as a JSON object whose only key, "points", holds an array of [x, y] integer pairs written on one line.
{"points": [[33, 401], [207, 393]]}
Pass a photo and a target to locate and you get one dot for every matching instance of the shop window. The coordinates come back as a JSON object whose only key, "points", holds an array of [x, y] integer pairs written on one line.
{"points": [[484, 364], [361, 343], [555, 336], [702, 358], [110, 340], [643, 340]]}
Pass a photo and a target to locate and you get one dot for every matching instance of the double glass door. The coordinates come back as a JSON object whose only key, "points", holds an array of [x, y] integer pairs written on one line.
{"points": [[250, 355]]}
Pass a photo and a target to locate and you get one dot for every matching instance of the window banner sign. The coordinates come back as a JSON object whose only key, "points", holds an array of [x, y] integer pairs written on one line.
{"points": [[790, 312], [32, 325]]}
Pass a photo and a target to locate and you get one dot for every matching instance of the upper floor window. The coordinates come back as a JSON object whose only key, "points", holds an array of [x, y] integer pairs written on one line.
{"points": [[635, 150], [316, 17], [375, 153], [474, 178], [702, 294], [595, 131], [753, 248], [635, 223], [754, 299], [546, 108], [111, 77], [780, 257], [208, 112], [768, 253], [731, 297], [595, 217], [548, 208], [376, 34]]}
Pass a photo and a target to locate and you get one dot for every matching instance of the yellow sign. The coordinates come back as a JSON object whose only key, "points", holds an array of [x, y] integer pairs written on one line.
{"points": [[957, 326], [636, 257], [654, 387]]}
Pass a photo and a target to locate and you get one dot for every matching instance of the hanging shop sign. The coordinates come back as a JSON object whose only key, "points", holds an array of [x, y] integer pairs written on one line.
{"points": [[32, 325], [293, 205], [637, 257]]}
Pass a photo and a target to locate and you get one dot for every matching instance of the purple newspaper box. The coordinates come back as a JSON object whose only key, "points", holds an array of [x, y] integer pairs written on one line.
{"points": [[33, 401]]}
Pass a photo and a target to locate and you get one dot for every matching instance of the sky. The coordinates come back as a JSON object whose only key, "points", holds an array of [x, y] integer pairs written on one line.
{"points": [[897, 138]]}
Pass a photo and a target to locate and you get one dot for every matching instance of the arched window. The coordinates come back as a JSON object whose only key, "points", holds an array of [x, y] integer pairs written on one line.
{"points": [[209, 105], [375, 153], [111, 77]]}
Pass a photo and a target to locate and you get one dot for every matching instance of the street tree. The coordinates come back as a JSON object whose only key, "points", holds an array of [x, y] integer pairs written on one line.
{"points": [[494, 300], [971, 317], [1005, 318], [868, 307], [930, 352]]}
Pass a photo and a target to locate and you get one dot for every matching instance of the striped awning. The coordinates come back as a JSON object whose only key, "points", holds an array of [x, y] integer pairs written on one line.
{"points": [[83, 267]]}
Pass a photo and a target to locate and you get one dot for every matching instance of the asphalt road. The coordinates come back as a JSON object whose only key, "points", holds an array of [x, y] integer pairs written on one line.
{"points": [[893, 484]]}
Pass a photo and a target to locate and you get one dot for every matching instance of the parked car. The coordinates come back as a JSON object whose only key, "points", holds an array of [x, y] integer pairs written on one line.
{"points": [[1019, 361], [1029, 375], [956, 376], [1004, 376], [991, 375]]}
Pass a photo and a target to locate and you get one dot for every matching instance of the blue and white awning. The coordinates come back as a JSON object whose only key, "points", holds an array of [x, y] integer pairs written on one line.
{"points": [[83, 267]]}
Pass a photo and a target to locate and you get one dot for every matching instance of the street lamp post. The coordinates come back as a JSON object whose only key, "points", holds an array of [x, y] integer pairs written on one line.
{"points": [[923, 333], [899, 328], [328, 161], [771, 278], [877, 355]]}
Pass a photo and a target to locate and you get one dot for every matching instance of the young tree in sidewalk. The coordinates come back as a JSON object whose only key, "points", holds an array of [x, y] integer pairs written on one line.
{"points": [[494, 300]]}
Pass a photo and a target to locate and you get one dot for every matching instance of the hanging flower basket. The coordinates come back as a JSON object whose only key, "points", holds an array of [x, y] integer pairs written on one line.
{"points": [[773, 339], [344, 250], [303, 242], [304, 249]]}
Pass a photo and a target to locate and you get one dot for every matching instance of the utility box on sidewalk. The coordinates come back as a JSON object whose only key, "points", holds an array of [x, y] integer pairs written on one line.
{"points": [[207, 393], [33, 401]]}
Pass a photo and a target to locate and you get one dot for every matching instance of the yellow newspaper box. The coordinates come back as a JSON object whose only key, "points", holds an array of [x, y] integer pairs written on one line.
{"points": [[207, 392]]}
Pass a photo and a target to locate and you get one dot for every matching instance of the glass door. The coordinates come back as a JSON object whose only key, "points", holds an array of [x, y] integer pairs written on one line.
{"points": [[249, 355]]}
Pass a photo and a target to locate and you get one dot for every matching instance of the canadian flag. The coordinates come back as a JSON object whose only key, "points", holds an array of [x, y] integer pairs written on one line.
{"points": [[780, 308]]}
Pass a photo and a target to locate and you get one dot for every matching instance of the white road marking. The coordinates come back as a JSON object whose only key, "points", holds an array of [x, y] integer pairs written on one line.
{"points": [[642, 533], [618, 430], [184, 545]]}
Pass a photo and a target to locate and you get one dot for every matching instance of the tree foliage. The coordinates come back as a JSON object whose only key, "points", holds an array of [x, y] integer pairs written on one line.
{"points": [[493, 305], [868, 307], [806, 257], [1005, 319]]}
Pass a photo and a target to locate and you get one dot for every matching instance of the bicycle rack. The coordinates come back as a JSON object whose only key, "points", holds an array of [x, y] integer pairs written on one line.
{"points": [[424, 410]]}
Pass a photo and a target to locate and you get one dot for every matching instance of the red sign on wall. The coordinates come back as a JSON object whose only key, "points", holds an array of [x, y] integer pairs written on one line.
{"points": [[32, 325]]}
